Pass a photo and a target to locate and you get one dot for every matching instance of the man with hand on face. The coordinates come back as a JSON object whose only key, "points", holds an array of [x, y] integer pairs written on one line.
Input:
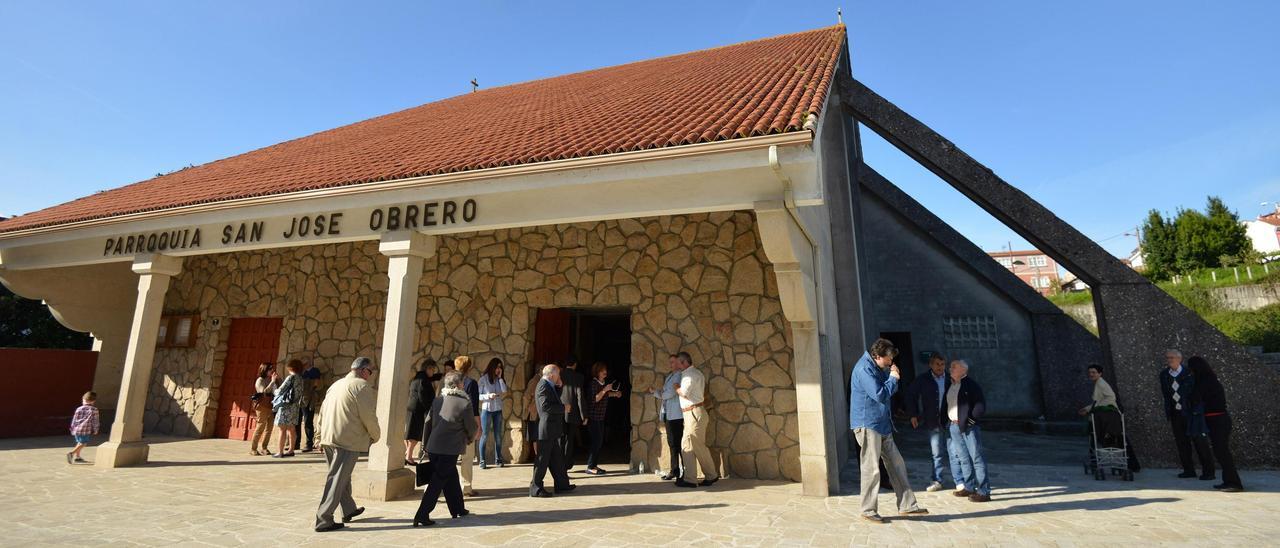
{"points": [[874, 380]]}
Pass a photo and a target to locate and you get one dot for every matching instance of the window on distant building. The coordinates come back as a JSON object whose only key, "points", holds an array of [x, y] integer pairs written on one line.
{"points": [[1039, 260], [970, 332], [1005, 262]]}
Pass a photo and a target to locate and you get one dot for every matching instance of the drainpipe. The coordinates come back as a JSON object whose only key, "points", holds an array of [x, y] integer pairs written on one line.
{"points": [[789, 202]]}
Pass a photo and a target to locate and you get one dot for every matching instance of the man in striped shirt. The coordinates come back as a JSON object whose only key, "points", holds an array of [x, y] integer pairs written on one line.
{"points": [[84, 423]]}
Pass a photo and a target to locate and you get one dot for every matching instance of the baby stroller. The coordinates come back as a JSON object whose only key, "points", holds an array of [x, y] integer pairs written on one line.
{"points": [[1109, 450]]}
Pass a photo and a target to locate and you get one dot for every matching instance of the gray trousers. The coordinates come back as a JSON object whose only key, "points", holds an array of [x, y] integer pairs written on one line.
{"points": [[337, 485], [875, 447]]}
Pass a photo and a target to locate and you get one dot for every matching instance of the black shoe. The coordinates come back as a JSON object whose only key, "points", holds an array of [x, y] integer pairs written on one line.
{"points": [[1187, 475], [502, 464], [873, 518], [541, 493], [668, 477], [463, 513], [682, 483], [329, 527], [1232, 489], [1207, 477], [352, 516], [708, 482], [566, 488], [483, 467], [423, 523], [1220, 486]]}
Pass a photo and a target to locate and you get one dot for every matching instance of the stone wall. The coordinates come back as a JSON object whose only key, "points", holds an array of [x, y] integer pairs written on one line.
{"points": [[698, 283], [332, 299]]}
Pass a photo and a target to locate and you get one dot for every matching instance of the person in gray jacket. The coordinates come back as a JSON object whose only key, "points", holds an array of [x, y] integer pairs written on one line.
{"points": [[450, 429]]}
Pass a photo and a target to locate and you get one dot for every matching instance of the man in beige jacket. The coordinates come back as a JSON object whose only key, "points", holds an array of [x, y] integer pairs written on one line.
{"points": [[348, 426]]}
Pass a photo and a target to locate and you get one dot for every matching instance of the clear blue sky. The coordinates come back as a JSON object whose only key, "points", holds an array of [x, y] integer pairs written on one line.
{"points": [[1101, 110]]}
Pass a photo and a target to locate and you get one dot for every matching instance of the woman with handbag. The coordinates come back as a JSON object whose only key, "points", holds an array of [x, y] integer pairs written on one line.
{"points": [[264, 390], [450, 428], [421, 395], [286, 406]]}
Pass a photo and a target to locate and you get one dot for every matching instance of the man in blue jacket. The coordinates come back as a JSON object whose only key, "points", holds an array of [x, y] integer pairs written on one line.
{"points": [[925, 403], [871, 386]]}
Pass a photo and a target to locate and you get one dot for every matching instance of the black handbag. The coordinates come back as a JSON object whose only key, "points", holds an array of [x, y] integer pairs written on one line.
{"points": [[424, 469]]}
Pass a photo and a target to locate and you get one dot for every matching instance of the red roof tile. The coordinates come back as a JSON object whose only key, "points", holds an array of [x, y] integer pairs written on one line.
{"points": [[755, 88]]}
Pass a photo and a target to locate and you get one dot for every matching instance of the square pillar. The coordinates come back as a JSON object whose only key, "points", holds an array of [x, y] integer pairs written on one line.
{"points": [[793, 255], [387, 478], [125, 446]]}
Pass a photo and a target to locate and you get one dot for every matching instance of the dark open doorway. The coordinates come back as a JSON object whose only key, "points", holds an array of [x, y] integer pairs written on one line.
{"points": [[593, 335]]}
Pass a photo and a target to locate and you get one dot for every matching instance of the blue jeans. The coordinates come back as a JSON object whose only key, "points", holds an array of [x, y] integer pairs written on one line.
{"points": [[967, 448], [939, 442], [491, 421]]}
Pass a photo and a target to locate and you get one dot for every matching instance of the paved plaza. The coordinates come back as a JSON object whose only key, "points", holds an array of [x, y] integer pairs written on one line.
{"points": [[211, 492]]}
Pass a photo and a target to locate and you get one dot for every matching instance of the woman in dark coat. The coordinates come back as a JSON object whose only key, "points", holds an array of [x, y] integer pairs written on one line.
{"points": [[451, 428], [421, 394], [1209, 415]]}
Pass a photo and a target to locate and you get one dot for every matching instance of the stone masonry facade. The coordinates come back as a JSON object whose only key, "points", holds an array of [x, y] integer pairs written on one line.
{"points": [[698, 283]]}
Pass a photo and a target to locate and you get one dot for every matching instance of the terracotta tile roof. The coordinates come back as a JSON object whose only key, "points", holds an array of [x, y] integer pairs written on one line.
{"points": [[755, 88]]}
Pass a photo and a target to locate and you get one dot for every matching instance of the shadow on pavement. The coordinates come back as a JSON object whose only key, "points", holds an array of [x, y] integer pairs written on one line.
{"points": [[1114, 503], [550, 515]]}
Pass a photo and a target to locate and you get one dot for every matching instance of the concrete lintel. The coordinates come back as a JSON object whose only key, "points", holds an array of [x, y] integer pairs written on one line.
{"points": [[164, 265], [407, 243]]}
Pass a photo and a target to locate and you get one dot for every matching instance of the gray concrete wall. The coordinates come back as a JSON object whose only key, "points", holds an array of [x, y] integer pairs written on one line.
{"points": [[911, 283]]}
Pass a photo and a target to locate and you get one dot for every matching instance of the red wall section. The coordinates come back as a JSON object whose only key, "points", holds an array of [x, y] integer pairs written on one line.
{"points": [[41, 389]]}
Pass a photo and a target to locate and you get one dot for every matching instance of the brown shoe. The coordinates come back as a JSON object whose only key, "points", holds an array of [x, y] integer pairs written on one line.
{"points": [[963, 493], [873, 518], [916, 512], [979, 498]]}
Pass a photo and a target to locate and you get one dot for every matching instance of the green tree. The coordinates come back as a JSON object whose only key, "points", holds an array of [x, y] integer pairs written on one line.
{"points": [[1225, 234], [1159, 249], [27, 323]]}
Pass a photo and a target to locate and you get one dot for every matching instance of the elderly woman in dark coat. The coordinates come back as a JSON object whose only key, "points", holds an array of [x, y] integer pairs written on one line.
{"points": [[1208, 406], [451, 428], [421, 394]]}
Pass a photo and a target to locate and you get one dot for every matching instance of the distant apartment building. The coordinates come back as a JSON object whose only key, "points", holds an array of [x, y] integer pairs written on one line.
{"points": [[1264, 232], [1035, 268]]}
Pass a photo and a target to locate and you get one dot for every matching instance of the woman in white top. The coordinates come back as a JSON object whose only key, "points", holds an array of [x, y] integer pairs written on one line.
{"points": [[492, 388], [264, 389]]}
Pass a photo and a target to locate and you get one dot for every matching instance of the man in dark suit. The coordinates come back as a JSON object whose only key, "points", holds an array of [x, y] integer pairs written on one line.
{"points": [[1176, 384], [924, 401], [550, 431], [571, 394]]}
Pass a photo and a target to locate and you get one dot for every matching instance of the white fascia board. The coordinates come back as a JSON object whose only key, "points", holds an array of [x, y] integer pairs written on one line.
{"points": [[732, 180]]}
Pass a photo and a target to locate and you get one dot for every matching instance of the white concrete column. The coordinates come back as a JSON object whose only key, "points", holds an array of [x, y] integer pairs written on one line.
{"points": [[793, 260], [125, 446], [387, 477]]}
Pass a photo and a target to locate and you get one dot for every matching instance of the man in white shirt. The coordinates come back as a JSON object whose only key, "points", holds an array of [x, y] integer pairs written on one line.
{"points": [[693, 444]]}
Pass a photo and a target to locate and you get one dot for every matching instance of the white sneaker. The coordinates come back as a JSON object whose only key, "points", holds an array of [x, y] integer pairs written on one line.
{"points": [[933, 487]]}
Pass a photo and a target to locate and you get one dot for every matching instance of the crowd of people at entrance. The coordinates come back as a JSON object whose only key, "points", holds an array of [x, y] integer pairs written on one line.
{"points": [[445, 428]]}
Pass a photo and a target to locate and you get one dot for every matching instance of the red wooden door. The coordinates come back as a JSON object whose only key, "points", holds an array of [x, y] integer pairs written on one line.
{"points": [[252, 342], [552, 339]]}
